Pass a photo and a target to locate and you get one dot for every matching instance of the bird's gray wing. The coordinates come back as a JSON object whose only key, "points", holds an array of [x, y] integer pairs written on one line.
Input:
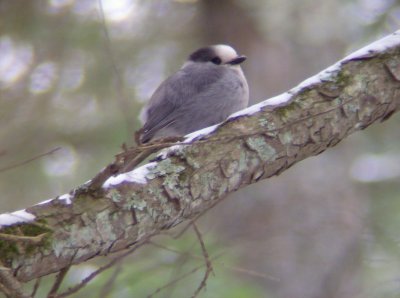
{"points": [[167, 102]]}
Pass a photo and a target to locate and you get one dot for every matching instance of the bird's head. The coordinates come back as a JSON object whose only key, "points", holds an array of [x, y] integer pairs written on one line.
{"points": [[218, 55]]}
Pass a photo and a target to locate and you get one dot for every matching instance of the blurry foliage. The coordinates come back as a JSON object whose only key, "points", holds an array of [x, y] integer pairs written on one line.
{"points": [[58, 87]]}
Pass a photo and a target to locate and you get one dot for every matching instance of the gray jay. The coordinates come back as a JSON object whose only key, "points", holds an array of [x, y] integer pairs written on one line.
{"points": [[205, 91]]}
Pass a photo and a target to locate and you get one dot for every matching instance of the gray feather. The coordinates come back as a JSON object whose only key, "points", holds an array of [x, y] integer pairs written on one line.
{"points": [[197, 96]]}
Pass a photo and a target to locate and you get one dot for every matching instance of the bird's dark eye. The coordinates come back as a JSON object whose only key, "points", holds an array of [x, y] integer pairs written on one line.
{"points": [[216, 60]]}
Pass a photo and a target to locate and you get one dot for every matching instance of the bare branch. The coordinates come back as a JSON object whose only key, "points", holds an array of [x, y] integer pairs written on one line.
{"points": [[22, 163], [207, 261], [86, 280], [107, 287], [183, 276], [36, 287], [57, 283], [10, 285]]}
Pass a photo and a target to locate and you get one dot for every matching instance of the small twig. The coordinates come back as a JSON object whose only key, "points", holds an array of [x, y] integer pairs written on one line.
{"points": [[27, 239], [207, 261], [5, 291], [203, 246], [2, 268], [10, 285], [138, 159], [251, 272], [174, 250], [119, 82], [176, 271], [57, 283], [194, 270], [19, 164], [107, 287], [233, 268], [36, 286], [87, 279]]}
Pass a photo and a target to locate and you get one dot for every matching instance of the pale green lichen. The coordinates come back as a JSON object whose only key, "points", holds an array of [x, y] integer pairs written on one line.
{"points": [[78, 236], [164, 167], [229, 167], [193, 162], [351, 108], [157, 194], [104, 226], [263, 149], [263, 122], [204, 183], [171, 181], [139, 205], [195, 187], [115, 195], [242, 161], [286, 138], [223, 188]]}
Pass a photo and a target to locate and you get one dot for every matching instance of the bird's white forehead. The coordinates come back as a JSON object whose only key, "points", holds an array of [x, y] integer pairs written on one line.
{"points": [[225, 52]]}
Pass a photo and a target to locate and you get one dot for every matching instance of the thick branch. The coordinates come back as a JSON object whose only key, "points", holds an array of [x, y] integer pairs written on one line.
{"points": [[186, 180]]}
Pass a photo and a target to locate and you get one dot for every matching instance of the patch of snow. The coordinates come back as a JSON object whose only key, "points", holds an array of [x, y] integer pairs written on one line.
{"points": [[165, 152], [44, 202], [279, 99], [199, 133], [249, 111], [273, 101], [318, 78], [7, 219], [380, 45], [137, 175], [66, 198], [188, 139]]}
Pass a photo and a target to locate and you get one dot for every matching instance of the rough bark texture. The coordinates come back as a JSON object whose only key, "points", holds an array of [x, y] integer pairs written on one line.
{"points": [[191, 180]]}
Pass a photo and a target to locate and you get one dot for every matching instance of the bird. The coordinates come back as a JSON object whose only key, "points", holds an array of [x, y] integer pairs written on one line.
{"points": [[203, 92]]}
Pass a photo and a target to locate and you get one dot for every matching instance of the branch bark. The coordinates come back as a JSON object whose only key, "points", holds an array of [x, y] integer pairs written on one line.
{"points": [[188, 179]]}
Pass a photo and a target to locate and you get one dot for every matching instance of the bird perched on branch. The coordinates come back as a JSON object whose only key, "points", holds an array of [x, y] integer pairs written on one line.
{"points": [[205, 91]]}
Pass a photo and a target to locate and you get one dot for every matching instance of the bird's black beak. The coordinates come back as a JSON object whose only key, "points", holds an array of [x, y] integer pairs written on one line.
{"points": [[237, 60]]}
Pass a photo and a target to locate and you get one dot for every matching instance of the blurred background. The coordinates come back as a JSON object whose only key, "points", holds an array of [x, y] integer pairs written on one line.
{"points": [[74, 76]]}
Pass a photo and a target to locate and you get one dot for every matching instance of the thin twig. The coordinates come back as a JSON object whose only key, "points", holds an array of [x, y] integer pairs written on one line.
{"points": [[250, 272], [57, 283], [87, 279], [22, 163], [194, 270], [36, 286], [233, 268], [123, 102], [5, 291], [27, 239], [10, 285], [107, 287], [207, 261], [176, 271]]}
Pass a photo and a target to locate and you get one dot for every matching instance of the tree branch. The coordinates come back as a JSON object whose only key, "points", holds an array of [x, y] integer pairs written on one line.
{"points": [[188, 179]]}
